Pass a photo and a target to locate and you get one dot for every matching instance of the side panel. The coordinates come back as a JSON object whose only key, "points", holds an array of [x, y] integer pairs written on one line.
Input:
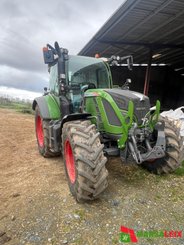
{"points": [[49, 108]]}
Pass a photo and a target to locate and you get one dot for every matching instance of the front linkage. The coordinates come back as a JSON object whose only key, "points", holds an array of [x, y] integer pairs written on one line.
{"points": [[137, 135], [141, 134]]}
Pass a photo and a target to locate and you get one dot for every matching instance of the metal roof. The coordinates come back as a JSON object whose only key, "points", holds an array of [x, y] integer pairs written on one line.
{"points": [[140, 25]]}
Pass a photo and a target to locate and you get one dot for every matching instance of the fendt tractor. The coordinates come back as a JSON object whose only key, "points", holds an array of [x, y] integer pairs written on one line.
{"points": [[85, 118]]}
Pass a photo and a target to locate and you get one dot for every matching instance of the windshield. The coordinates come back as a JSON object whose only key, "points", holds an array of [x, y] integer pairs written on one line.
{"points": [[86, 70]]}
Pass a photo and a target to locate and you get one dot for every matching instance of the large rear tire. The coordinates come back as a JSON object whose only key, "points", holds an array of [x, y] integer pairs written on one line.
{"points": [[84, 160], [42, 135], [172, 159]]}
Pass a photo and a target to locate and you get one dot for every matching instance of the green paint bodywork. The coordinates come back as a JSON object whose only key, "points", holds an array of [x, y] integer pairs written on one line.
{"points": [[95, 96], [106, 126], [155, 116], [53, 106], [93, 104]]}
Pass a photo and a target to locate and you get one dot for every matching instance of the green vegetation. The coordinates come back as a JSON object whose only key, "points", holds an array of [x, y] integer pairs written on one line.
{"points": [[180, 171], [81, 213], [18, 105]]}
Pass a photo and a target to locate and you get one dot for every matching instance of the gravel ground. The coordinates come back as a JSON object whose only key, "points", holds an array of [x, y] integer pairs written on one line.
{"points": [[36, 206]]}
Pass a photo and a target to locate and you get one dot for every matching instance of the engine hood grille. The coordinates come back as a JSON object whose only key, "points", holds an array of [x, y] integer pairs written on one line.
{"points": [[122, 98]]}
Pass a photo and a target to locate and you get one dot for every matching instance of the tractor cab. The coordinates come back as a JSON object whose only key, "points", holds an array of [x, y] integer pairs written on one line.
{"points": [[81, 74], [85, 73]]}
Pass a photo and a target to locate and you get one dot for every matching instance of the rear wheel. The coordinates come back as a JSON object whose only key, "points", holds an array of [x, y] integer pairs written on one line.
{"points": [[42, 135], [84, 160], [171, 161]]}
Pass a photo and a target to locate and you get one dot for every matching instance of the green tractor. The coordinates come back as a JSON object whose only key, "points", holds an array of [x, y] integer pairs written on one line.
{"points": [[85, 118]]}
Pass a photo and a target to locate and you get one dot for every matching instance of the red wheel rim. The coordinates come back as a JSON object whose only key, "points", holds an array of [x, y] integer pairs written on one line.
{"points": [[39, 131], [70, 163]]}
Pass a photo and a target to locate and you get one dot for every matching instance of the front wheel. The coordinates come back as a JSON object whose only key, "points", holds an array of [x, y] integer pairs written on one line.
{"points": [[42, 135], [84, 160]]}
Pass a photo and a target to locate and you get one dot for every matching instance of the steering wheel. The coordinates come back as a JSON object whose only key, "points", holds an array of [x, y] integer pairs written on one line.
{"points": [[87, 86], [91, 86]]}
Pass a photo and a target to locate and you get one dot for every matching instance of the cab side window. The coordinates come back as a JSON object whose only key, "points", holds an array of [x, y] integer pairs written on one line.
{"points": [[53, 84]]}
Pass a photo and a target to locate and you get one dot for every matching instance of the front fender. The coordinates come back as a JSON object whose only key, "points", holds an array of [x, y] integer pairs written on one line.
{"points": [[49, 108]]}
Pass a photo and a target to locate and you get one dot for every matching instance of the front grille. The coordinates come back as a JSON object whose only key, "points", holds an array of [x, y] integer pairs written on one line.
{"points": [[141, 107], [122, 98], [121, 103]]}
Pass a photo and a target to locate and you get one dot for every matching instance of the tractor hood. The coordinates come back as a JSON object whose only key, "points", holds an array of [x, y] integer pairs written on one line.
{"points": [[131, 95], [122, 98]]}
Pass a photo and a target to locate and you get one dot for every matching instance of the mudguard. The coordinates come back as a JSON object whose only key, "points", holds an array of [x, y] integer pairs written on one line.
{"points": [[74, 117], [48, 106]]}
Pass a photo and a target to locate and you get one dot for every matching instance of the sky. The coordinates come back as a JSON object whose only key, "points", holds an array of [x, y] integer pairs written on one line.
{"points": [[27, 25]]}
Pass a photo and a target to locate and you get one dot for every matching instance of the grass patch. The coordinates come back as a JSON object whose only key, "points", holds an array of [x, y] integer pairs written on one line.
{"points": [[20, 106], [180, 170], [158, 196], [81, 213]]}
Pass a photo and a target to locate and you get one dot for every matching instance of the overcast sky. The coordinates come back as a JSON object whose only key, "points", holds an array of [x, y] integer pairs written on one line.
{"points": [[27, 25]]}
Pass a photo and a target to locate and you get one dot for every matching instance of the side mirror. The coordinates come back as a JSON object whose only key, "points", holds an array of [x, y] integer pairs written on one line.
{"points": [[117, 60], [128, 81], [48, 56], [45, 90]]}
